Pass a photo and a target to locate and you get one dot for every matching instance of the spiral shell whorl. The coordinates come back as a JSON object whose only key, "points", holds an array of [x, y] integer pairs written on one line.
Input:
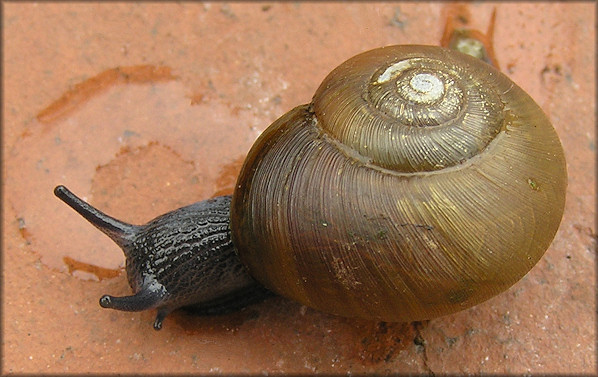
{"points": [[321, 216], [424, 113]]}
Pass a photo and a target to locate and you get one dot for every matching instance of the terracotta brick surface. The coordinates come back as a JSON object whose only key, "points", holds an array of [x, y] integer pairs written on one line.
{"points": [[142, 108]]}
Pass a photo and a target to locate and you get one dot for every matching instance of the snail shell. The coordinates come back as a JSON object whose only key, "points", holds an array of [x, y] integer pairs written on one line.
{"points": [[419, 182]]}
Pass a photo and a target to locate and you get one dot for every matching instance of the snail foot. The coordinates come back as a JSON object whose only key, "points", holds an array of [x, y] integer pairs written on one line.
{"points": [[232, 301]]}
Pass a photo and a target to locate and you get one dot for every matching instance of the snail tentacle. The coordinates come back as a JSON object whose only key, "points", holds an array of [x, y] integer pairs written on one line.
{"points": [[143, 300], [117, 230]]}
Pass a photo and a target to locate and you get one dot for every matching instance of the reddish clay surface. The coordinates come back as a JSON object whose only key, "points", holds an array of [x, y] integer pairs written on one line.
{"points": [[142, 108]]}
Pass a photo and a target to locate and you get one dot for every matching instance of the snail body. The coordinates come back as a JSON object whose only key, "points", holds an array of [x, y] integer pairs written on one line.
{"points": [[417, 183]]}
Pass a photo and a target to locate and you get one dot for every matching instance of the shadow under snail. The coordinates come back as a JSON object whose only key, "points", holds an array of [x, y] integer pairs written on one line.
{"points": [[418, 182]]}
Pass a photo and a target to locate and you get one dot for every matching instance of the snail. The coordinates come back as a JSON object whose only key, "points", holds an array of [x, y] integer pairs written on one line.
{"points": [[418, 182]]}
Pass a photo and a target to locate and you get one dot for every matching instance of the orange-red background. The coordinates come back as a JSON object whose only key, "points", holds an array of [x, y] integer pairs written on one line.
{"points": [[141, 108]]}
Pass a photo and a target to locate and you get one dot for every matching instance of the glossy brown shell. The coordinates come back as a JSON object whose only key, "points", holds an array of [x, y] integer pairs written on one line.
{"points": [[419, 182]]}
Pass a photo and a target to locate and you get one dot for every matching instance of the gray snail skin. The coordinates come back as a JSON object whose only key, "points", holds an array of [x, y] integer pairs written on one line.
{"points": [[419, 182], [184, 258]]}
